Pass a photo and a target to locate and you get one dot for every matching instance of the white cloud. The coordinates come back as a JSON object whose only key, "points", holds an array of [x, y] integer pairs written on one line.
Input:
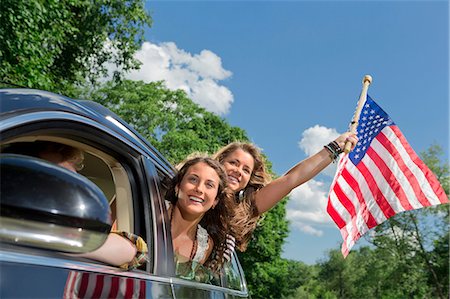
{"points": [[313, 140], [306, 209], [198, 75]]}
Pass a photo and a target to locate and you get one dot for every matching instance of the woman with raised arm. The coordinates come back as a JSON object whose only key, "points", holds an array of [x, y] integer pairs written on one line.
{"points": [[254, 190]]}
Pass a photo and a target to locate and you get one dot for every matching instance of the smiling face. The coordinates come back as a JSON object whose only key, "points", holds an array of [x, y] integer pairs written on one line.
{"points": [[197, 191], [239, 166]]}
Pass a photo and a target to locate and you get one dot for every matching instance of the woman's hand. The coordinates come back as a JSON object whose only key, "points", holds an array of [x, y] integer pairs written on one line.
{"points": [[347, 136]]}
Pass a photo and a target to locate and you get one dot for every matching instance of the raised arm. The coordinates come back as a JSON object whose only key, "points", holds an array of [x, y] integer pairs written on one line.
{"points": [[268, 196]]}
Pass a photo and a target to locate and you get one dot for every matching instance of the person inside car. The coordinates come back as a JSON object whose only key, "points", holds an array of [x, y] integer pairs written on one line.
{"points": [[121, 249]]}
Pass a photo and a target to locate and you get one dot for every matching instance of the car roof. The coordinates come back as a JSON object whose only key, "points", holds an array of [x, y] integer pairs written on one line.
{"points": [[17, 101]]}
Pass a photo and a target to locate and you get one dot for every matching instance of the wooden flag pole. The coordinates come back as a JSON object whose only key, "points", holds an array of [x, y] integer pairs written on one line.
{"points": [[362, 98]]}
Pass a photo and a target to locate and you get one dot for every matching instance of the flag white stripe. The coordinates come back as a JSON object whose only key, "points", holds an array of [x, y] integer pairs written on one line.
{"points": [[384, 185], [349, 192], [137, 288], [70, 281], [351, 195], [344, 248], [401, 177], [106, 286], [122, 287], [416, 171], [367, 195], [340, 209], [92, 282]]}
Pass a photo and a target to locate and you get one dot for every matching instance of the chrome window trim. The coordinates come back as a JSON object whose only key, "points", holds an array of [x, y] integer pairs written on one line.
{"points": [[144, 161], [204, 286], [39, 116], [60, 262]]}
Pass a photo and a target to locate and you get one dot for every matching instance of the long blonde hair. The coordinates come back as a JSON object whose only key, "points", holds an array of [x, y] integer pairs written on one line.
{"points": [[246, 214]]}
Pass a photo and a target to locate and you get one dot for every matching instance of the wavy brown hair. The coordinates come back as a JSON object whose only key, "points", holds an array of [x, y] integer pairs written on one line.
{"points": [[216, 221], [245, 214]]}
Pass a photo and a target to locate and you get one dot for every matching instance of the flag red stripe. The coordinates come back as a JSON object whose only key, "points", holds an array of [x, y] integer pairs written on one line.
{"points": [[74, 275], [114, 287], [129, 288], [142, 289], [335, 215], [376, 192], [98, 286], [431, 178], [348, 205], [401, 163], [70, 283], [390, 178], [365, 212], [83, 285]]}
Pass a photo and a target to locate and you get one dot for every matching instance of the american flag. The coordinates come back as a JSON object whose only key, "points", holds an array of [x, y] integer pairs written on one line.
{"points": [[81, 285], [381, 177]]}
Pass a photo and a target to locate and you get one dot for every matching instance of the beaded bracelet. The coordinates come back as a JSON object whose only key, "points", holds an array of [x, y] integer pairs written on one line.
{"points": [[334, 149]]}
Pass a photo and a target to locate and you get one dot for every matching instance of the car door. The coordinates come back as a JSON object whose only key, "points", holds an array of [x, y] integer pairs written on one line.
{"points": [[114, 163]]}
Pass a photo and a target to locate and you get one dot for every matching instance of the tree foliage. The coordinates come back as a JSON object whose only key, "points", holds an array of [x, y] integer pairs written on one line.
{"points": [[53, 45], [264, 269], [174, 124]]}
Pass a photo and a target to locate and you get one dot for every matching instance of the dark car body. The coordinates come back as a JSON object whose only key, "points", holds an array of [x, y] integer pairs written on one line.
{"points": [[130, 173]]}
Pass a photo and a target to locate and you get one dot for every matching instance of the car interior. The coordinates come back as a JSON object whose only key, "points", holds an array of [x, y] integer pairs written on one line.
{"points": [[102, 169]]}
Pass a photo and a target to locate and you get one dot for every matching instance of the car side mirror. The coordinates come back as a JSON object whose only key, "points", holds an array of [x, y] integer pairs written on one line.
{"points": [[44, 205]]}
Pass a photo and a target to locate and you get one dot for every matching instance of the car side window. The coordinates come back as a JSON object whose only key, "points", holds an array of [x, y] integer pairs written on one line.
{"points": [[230, 275], [112, 177]]}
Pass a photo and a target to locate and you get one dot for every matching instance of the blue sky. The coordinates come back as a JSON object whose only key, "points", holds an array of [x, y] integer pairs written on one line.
{"points": [[290, 72]]}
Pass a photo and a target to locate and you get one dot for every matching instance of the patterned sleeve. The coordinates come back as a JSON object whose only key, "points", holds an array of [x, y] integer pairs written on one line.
{"points": [[141, 256]]}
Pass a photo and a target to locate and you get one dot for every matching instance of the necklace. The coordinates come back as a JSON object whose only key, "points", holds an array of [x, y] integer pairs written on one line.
{"points": [[194, 243]]}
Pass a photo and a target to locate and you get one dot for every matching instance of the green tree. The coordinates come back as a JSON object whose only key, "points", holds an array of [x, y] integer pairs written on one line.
{"points": [[299, 274], [53, 45], [418, 240], [264, 269], [174, 124]]}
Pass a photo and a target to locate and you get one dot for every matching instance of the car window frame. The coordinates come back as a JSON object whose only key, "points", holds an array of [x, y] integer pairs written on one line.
{"points": [[145, 174], [43, 123]]}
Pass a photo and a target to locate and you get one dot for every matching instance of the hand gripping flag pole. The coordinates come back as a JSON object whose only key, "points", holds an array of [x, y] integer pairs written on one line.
{"points": [[362, 98]]}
